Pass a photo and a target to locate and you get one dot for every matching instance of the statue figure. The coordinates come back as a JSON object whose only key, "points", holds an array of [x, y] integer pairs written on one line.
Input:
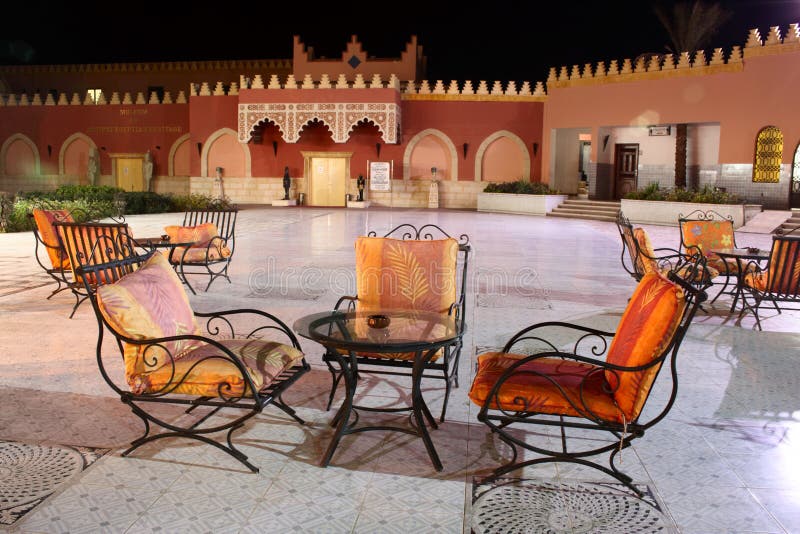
{"points": [[287, 183], [360, 182], [147, 170], [93, 166]]}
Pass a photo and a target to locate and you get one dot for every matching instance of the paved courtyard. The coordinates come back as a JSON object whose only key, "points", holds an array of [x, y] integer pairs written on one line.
{"points": [[726, 458]]}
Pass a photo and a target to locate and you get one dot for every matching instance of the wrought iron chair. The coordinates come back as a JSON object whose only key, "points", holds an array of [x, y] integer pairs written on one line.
{"points": [[778, 281], [709, 230], [414, 269], [104, 241], [49, 253], [212, 233], [536, 380], [640, 258], [192, 361]]}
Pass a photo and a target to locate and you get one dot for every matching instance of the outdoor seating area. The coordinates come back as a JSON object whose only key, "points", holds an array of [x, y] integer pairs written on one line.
{"points": [[360, 372]]}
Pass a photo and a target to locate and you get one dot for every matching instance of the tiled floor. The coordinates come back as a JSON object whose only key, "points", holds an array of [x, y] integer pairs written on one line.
{"points": [[726, 459]]}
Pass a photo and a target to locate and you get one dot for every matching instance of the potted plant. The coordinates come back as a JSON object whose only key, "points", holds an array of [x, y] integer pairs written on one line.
{"points": [[521, 196]]}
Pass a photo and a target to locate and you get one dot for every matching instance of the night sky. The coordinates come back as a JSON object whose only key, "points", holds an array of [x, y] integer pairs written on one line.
{"points": [[518, 42]]}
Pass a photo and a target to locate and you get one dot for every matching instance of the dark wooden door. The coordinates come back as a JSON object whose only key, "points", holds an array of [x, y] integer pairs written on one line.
{"points": [[626, 169], [794, 188]]}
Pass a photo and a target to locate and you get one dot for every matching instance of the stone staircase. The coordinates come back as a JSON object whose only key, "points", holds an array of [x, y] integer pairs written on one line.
{"points": [[792, 223], [596, 210]]}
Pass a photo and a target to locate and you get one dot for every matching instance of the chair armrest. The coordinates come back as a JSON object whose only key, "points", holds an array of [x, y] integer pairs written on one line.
{"points": [[218, 323], [528, 333], [351, 302]]}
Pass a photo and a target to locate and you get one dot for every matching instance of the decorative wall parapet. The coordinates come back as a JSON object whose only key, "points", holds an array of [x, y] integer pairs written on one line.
{"points": [[161, 66], [497, 92], [656, 66], [62, 99]]}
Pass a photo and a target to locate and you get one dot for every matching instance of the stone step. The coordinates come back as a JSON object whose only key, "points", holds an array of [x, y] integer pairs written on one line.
{"points": [[584, 215], [588, 211], [591, 204]]}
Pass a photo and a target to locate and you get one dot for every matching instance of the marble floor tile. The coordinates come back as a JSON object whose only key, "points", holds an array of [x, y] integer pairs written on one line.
{"points": [[722, 459]]}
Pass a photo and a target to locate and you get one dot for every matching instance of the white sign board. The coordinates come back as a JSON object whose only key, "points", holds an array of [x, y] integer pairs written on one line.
{"points": [[380, 178]]}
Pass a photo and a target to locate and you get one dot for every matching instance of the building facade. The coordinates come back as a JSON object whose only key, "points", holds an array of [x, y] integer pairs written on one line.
{"points": [[233, 128]]}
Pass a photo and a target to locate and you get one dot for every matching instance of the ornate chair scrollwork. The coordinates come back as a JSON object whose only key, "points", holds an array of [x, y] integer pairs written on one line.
{"points": [[598, 382], [212, 233], [200, 363], [409, 268]]}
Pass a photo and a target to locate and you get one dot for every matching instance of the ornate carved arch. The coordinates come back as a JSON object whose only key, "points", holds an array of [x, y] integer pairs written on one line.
{"points": [[210, 141], [340, 117], [25, 139], [417, 138], [526, 171], [68, 141], [172, 150]]}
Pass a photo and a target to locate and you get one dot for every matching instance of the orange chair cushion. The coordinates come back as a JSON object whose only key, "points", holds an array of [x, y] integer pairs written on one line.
{"points": [[647, 260], [406, 274], [780, 281], [149, 303], [532, 387], [206, 371], [709, 235], [201, 235], [646, 329], [44, 220]]}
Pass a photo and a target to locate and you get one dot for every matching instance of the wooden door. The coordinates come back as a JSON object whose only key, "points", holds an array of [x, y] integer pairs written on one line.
{"points": [[328, 182], [626, 169], [130, 174]]}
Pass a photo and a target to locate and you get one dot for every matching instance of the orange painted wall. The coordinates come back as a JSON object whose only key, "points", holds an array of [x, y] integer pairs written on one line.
{"points": [[20, 159], [226, 152], [76, 157], [502, 161], [207, 114], [182, 160], [741, 102]]}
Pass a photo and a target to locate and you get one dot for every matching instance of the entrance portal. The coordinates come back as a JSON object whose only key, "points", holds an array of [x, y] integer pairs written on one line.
{"points": [[328, 178], [794, 187], [129, 171], [626, 169]]}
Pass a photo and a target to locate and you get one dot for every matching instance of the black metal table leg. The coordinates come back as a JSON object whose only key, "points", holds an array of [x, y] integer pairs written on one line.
{"points": [[342, 416], [420, 408]]}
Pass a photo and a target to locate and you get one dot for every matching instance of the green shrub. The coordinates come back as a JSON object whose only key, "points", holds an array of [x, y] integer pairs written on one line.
{"points": [[81, 210], [198, 202], [706, 195], [137, 202], [520, 187]]}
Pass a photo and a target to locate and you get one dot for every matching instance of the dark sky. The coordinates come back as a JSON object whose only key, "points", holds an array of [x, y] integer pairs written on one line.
{"points": [[500, 41]]}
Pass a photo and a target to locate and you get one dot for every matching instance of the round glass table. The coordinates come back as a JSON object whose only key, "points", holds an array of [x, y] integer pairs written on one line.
{"points": [[346, 334]]}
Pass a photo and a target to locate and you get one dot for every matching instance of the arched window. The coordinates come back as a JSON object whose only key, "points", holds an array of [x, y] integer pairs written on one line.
{"points": [[769, 154], [796, 171]]}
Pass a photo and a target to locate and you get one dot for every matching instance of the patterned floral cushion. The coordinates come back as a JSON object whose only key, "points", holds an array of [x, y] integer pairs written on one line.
{"points": [[206, 371], [709, 235], [532, 387], [149, 303], [44, 223], [645, 330], [405, 274], [201, 235]]}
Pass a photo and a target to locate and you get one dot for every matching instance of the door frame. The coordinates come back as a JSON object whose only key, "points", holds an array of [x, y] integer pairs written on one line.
{"points": [[115, 157], [308, 156], [617, 148], [794, 178]]}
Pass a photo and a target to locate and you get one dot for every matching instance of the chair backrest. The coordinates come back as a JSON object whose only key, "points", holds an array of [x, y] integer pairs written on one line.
{"points": [[653, 325], [638, 256], [46, 234], [94, 243], [412, 268], [223, 219], [706, 230], [783, 272]]}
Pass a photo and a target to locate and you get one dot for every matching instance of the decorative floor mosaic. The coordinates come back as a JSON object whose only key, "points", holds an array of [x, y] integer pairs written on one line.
{"points": [[511, 505], [31, 473]]}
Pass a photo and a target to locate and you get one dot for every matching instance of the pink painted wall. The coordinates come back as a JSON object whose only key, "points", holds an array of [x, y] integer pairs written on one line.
{"points": [[226, 152], [76, 157], [207, 114], [430, 151], [741, 102], [502, 161], [181, 161], [20, 159]]}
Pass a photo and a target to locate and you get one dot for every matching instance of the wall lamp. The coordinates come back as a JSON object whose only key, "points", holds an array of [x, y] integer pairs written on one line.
{"points": [[466, 148]]}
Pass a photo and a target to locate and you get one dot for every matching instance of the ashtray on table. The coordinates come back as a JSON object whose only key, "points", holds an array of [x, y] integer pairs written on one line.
{"points": [[378, 321], [752, 250]]}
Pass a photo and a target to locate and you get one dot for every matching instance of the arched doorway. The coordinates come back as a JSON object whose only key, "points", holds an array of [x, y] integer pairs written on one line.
{"points": [[794, 189]]}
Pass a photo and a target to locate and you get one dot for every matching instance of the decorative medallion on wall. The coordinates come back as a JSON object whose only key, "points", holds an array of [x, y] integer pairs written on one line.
{"points": [[341, 118]]}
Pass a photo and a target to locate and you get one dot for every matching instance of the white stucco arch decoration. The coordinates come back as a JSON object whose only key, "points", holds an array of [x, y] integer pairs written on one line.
{"points": [[210, 141], [526, 170], [340, 117], [417, 138], [27, 140], [172, 150], [68, 141]]}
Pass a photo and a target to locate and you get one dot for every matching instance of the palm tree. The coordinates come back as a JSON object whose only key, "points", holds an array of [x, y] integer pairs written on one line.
{"points": [[690, 26]]}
